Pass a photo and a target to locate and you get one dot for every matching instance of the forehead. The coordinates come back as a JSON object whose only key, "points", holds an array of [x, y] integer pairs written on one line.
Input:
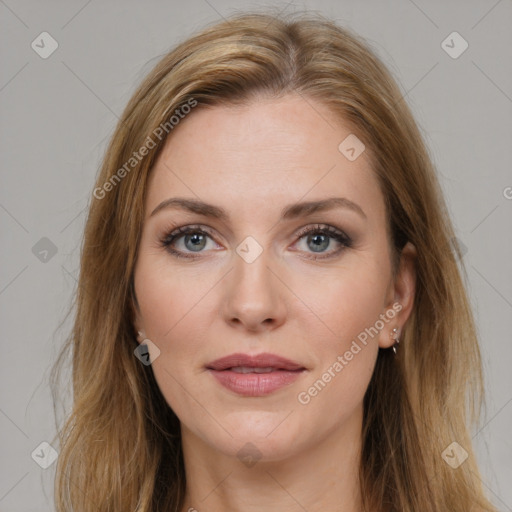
{"points": [[262, 155]]}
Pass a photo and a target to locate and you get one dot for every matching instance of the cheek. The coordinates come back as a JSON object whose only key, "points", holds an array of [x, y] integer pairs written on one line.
{"points": [[172, 312], [347, 307], [167, 298], [176, 311], [168, 304], [345, 302], [333, 394]]}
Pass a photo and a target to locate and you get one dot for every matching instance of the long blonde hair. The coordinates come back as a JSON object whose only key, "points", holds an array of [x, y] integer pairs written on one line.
{"points": [[120, 448]]}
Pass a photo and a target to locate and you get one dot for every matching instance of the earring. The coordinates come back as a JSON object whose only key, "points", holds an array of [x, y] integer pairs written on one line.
{"points": [[395, 337]]}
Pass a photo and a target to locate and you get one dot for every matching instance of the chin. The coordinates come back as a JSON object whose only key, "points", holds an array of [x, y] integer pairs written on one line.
{"points": [[255, 436]]}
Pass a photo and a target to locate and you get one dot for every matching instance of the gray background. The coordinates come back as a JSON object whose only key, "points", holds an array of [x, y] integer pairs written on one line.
{"points": [[57, 114]]}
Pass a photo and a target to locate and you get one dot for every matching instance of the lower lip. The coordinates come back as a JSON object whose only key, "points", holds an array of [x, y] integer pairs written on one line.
{"points": [[255, 384]]}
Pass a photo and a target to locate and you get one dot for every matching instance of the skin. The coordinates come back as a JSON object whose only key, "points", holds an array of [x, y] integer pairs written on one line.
{"points": [[253, 161]]}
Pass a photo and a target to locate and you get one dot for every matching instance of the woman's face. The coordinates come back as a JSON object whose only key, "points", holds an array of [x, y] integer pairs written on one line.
{"points": [[286, 255]]}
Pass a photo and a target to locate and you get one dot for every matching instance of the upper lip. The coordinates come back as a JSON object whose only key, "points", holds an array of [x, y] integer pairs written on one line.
{"points": [[264, 360]]}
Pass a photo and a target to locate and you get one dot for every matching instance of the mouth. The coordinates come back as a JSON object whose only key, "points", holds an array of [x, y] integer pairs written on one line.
{"points": [[255, 375], [256, 369], [260, 363]]}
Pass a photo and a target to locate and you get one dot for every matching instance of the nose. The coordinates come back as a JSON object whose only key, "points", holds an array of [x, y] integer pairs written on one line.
{"points": [[255, 295]]}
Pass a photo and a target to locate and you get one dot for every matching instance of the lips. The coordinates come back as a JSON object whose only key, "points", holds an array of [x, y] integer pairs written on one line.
{"points": [[254, 376], [261, 363]]}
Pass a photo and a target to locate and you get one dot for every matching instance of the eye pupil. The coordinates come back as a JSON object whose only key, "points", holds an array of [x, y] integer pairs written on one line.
{"points": [[319, 242], [198, 241]]}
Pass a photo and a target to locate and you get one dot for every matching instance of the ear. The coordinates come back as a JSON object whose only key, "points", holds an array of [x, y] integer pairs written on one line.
{"points": [[136, 318], [141, 333], [400, 300]]}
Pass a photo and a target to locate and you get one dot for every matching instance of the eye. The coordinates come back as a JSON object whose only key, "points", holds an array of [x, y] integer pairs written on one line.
{"points": [[186, 240], [183, 242], [319, 238]]}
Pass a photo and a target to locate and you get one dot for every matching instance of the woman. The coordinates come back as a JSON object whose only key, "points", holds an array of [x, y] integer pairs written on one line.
{"points": [[270, 313]]}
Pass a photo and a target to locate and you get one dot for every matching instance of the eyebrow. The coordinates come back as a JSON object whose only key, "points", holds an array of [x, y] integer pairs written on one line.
{"points": [[289, 212]]}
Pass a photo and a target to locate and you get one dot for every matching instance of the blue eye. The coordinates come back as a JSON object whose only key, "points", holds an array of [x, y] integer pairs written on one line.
{"points": [[319, 238], [195, 239]]}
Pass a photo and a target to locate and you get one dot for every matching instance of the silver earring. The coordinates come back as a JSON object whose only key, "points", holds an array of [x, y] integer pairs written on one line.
{"points": [[394, 335]]}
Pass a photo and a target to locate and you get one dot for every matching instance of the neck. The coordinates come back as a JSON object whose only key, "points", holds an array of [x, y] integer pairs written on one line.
{"points": [[323, 476]]}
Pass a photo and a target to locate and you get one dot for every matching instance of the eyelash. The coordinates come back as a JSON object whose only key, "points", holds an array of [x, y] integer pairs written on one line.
{"points": [[339, 236]]}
